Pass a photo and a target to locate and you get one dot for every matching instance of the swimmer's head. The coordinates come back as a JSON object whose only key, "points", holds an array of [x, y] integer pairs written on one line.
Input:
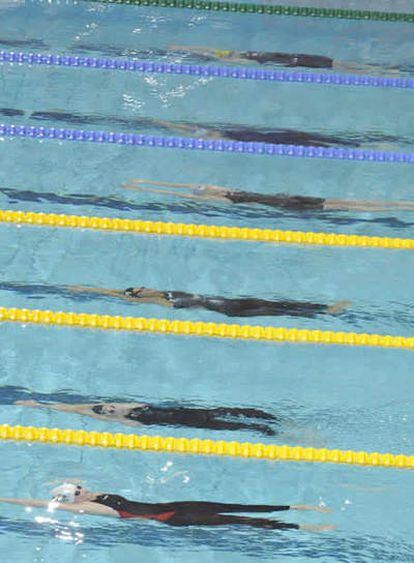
{"points": [[105, 409], [67, 492], [222, 53], [134, 291]]}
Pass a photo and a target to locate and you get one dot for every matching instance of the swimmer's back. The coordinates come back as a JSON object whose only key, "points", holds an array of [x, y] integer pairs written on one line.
{"points": [[287, 59], [281, 201]]}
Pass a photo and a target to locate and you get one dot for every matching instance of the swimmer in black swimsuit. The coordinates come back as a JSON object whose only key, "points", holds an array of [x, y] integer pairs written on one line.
{"points": [[139, 414], [239, 307], [77, 499], [220, 131], [289, 60], [209, 192]]}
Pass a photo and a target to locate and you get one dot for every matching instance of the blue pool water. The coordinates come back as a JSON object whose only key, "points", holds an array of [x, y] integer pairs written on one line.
{"points": [[347, 398]]}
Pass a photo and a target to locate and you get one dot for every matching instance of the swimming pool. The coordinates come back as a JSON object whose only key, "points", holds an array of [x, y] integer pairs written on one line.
{"points": [[341, 397]]}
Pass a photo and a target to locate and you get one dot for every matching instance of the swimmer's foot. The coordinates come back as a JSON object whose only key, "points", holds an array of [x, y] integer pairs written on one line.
{"points": [[310, 507], [316, 528], [338, 308]]}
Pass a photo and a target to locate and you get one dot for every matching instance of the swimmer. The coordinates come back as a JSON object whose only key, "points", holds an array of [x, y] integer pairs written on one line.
{"points": [[290, 60], [238, 307], [231, 132], [222, 131], [273, 136], [282, 59], [76, 499], [208, 192], [140, 414]]}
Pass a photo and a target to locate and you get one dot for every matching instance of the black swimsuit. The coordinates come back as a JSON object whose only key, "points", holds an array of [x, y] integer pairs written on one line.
{"points": [[244, 307], [285, 137], [223, 418], [194, 513], [287, 59], [281, 201]]}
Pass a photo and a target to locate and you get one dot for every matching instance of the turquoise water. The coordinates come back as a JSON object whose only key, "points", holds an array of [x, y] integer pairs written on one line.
{"points": [[325, 396]]}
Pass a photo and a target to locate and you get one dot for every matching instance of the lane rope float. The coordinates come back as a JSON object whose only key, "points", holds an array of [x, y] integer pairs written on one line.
{"points": [[41, 59], [137, 226], [202, 447], [277, 10], [204, 329], [212, 145]]}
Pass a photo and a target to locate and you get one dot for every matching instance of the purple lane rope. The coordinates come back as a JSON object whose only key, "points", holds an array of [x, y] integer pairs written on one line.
{"points": [[189, 143], [240, 73]]}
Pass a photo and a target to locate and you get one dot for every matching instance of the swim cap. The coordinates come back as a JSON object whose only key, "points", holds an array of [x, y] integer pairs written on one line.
{"points": [[66, 492], [222, 53]]}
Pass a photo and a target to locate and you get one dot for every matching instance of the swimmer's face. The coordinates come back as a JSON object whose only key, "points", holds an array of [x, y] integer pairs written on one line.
{"points": [[136, 292], [111, 409], [139, 292], [106, 409], [70, 493]]}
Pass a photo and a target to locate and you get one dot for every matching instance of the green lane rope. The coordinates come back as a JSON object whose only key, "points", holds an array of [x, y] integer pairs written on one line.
{"points": [[246, 8]]}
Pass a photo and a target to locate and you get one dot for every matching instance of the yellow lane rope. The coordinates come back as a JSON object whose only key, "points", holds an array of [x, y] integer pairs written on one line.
{"points": [[201, 231], [201, 447], [191, 328]]}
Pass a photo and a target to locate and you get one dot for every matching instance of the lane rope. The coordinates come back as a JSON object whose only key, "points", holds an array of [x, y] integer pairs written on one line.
{"points": [[213, 145], [278, 10], [205, 71], [202, 447], [191, 230], [204, 329]]}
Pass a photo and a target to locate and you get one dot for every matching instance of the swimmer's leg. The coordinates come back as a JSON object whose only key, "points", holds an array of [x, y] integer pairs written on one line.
{"points": [[216, 424], [224, 507], [347, 66], [361, 205], [247, 412], [204, 508], [197, 519]]}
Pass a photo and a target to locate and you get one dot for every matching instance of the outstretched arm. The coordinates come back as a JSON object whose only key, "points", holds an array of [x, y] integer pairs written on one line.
{"points": [[96, 290], [156, 183], [163, 192], [78, 508], [193, 49]]}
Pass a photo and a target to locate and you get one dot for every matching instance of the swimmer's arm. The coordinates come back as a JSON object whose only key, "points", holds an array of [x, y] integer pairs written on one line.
{"points": [[157, 183], [214, 192], [81, 408], [220, 54], [173, 126], [163, 192], [157, 299], [193, 49], [96, 290], [79, 508], [120, 294]]}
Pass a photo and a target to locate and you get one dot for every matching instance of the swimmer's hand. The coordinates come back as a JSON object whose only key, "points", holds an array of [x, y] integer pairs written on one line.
{"points": [[28, 403], [338, 308], [316, 528], [310, 507]]}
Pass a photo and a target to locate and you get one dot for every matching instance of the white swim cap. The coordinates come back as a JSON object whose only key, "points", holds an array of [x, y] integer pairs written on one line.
{"points": [[66, 492]]}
